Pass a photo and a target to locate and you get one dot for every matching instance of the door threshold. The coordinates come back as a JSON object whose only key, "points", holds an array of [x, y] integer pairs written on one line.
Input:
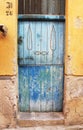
{"points": [[31, 119]]}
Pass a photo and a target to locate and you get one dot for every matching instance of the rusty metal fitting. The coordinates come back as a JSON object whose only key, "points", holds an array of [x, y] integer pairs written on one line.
{"points": [[3, 30]]}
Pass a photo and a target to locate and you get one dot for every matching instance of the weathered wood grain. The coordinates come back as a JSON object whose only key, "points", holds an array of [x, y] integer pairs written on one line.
{"points": [[41, 52], [42, 43], [54, 7], [37, 89]]}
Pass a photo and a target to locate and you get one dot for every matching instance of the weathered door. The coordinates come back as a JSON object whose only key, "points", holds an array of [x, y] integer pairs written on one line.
{"points": [[41, 65], [40, 59]]}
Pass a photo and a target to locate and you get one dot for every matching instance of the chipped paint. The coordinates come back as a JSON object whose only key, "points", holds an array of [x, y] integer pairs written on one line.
{"points": [[41, 65], [41, 88], [78, 22]]}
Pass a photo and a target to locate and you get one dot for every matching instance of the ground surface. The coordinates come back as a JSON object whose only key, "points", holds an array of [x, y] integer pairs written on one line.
{"points": [[50, 128]]}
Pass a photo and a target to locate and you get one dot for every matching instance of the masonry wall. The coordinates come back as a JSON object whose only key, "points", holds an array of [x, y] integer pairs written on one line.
{"points": [[73, 85], [73, 93], [8, 64]]}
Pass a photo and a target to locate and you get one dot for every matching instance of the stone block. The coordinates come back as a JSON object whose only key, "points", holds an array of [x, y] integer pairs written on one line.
{"points": [[8, 101], [73, 100]]}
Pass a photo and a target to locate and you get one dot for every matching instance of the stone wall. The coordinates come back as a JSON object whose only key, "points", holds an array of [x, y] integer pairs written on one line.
{"points": [[8, 64], [73, 100], [73, 86], [8, 101]]}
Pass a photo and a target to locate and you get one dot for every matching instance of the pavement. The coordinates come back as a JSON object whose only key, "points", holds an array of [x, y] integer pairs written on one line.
{"points": [[77, 127]]}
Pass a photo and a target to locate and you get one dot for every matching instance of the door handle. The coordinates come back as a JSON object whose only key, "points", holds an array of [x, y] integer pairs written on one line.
{"points": [[3, 30], [20, 40]]}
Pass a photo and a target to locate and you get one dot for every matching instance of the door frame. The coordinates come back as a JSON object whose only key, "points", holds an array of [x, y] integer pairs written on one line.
{"points": [[50, 115], [50, 118]]}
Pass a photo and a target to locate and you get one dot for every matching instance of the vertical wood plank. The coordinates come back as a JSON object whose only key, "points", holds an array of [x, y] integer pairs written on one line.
{"points": [[34, 81], [38, 37], [20, 6], [57, 88], [23, 89], [44, 6], [32, 54], [43, 87], [61, 42], [32, 59], [53, 43], [39, 6], [55, 56], [43, 47], [21, 43], [49, 92], [49, 57], [62, 7], [29, 44], [32, 6], [30, 11], [35, 6], [53, 6], [26, 53], [59, 7], [26, 7], [34, 42]]}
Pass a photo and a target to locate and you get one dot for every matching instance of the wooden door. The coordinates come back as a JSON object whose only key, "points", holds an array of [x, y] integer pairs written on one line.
{"points": [[41, 65]]}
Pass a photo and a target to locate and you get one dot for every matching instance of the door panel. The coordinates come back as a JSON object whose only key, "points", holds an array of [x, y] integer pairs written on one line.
{"points": [[42, 43], [40, 58], [40, 88]]}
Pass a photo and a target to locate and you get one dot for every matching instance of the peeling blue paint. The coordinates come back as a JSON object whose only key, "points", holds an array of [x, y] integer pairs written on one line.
{"points": [[37, 84], [41, 66]]}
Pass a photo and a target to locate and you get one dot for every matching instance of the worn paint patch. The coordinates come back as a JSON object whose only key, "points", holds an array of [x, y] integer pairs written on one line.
{"points": [[41, 43], [78, 22], [8, 101], [41, 88], [73, 100], [41, 50]]}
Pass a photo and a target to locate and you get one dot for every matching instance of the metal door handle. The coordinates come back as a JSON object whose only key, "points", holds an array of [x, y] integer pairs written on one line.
{"points": [[20, 40]]}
